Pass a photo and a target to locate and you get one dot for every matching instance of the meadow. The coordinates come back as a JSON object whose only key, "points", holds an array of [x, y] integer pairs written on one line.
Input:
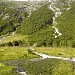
{"points": [[6, 70], [57, 51], [14, 40], [14, 53]]}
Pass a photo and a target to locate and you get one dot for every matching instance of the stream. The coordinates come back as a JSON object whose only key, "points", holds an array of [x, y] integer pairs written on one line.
{"points": [[57, 13], [44, 56]]}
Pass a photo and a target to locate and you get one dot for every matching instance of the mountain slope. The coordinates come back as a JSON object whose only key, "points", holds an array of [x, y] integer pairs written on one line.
{"points": [[10, 17], [13, 13], [39, 19], [66, 25]]}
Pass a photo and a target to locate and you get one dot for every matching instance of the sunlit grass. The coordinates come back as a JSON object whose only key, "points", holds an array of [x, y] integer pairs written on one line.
{"points": [[56, 51], [6, 70], [13, 53], [15, 38]]}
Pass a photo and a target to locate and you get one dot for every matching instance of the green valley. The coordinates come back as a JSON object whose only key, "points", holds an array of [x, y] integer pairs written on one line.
{"points": [[37, 37]]}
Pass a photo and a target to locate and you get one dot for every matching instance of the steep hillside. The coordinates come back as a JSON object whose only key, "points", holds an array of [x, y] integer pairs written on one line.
{"points": [[13, 13], [40, 24], [38, 20], [10, 17], [66, 25], [48, 35]]}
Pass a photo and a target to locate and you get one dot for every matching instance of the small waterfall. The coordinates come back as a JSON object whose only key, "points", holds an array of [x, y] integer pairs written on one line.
{"points": [[57, 13], [54, 21], [56, 32]]}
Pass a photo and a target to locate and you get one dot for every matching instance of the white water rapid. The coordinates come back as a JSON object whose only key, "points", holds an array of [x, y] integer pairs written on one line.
{"points": [[57, 13]]}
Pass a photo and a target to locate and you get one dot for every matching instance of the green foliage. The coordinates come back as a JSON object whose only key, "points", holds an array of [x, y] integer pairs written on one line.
{"points": [[73, 44], [66, 25], [6, 70], [10, 17], [16, 40], [38, 20], [9, 44], [22, 43], [48, 67], [15, 43], [42, 38]]}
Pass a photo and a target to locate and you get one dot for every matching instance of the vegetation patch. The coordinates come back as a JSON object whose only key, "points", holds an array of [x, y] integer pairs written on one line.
{"points": [[48, 67], [66, 25], [14, 53], [38, 20], [56, 51], [11, 17], [15, 40], [6, 70]]}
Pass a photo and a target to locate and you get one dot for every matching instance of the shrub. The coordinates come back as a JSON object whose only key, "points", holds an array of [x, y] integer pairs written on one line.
{"points": [[15, 43]]}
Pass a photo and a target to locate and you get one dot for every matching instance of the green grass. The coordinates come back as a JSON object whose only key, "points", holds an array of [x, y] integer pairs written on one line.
{"points": [[15, 38], [48, 67], [45, 67], [14, 53], [22, 40], [56, 51], [6, 70]]}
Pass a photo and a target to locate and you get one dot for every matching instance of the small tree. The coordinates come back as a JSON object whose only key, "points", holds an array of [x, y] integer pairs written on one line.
{"points": [[10, 44], [73, 44], [29, 51], [15, 43]]}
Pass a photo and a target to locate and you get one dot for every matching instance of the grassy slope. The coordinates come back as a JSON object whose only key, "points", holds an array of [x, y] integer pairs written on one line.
{"points": [[6, 70], [66, 25], [38, 25], [43, 37], [15, 38], [21, 39]]}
